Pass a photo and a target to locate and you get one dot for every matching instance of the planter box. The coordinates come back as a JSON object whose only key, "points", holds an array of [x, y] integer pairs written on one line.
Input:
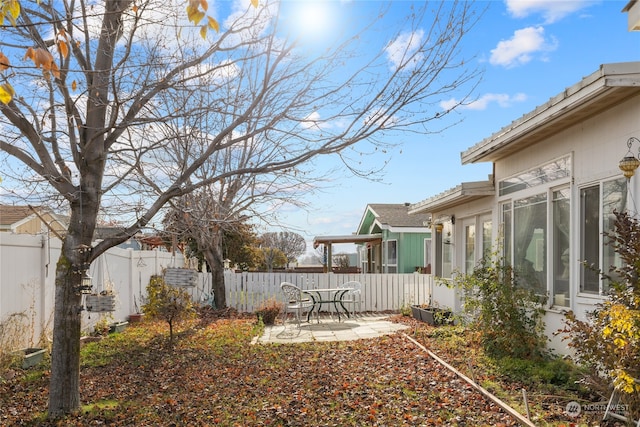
{"points": [[32, 356], [100, 303], [118, 327], [136, 318], [431, 315]]}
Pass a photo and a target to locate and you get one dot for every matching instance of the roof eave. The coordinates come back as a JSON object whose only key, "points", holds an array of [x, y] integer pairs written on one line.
{"points": [[463, 193], [350, 238], [611, 81]]}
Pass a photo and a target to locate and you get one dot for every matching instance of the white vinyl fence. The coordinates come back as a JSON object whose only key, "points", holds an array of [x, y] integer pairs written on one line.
{"points": [[27, 281], [380, 292]]}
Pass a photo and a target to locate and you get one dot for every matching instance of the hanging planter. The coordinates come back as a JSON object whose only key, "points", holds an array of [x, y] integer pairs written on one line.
{"points": [[184, 277], [101, 303]]}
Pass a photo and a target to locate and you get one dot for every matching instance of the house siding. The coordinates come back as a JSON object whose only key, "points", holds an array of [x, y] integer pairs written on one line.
{"points": [[412, 246]]}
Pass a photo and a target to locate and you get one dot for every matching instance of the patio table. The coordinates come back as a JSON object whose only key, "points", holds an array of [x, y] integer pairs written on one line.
{"points": [[327, 296]]}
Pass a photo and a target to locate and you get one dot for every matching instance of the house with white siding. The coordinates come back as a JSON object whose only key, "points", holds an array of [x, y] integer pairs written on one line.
{"points": [[556, 182]]}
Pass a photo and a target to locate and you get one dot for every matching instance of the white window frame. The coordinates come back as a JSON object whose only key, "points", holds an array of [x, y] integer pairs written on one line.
{"points": [[386, 264], [528, 190], [603, 264]]}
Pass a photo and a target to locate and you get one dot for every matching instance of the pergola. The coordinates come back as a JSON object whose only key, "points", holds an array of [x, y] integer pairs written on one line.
{"points": [[328, 242]]}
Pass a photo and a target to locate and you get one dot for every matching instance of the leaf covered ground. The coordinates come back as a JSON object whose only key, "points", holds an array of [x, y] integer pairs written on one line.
{"points": [[213, 375]]}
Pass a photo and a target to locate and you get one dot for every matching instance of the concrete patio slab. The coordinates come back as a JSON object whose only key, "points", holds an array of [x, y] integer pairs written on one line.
{"points": [[327, 329]]}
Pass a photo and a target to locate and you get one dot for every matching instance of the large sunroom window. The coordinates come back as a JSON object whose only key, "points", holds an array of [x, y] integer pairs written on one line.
{"points": [[530, 241], [528, 224]]}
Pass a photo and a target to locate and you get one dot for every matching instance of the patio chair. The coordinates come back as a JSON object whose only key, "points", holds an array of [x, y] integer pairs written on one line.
{"points": [[352, 296], [295, 300]]}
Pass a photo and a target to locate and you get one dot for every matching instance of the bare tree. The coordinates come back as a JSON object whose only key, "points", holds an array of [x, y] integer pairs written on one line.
{"points": [[92, 116], [292, 245]]}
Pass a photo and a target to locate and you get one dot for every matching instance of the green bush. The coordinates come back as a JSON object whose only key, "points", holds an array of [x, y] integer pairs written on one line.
{"points": [[167, 303], [507, 316]]}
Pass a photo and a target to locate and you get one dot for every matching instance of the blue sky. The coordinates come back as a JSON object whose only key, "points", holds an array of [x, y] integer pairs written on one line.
{"points": [[530, 51]]}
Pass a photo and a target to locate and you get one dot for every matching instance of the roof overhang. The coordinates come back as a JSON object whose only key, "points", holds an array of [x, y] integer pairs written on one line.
{"points": [[350, 238], [633, 15], [608, 86], [463, 193]]}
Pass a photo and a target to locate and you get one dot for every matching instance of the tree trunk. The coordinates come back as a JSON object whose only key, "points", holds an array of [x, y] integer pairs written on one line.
{"points": [[214, 257], [64, 392], [75, 258]]}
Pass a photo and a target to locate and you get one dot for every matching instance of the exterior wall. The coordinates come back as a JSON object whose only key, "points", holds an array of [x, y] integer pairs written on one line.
{"points": [[447, 296], [411, 251]]}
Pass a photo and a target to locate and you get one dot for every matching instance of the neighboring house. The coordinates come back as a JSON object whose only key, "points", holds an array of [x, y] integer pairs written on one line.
{"points": [[404, 240], [102, 232], [555, 186], [30, 220]]}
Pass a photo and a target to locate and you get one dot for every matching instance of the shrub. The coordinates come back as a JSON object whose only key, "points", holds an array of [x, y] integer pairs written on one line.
{"points": [[269, 310], [507, 316], [167, 303], [609, 341]]}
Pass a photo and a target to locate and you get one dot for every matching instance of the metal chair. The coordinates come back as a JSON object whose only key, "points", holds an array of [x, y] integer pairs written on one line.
{"points": [[295, 300], [353, 295]]}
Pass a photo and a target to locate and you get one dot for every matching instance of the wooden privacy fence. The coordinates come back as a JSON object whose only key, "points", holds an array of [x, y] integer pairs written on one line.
{"points": [[380, 292]]}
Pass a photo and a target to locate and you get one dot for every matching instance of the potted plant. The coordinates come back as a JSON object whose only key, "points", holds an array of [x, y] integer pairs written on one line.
{"points": [[138, 316], [269, 310]]}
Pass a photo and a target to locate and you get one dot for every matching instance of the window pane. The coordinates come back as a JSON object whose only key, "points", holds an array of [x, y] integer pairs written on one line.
{"points": [[486, 239], [529, 241], [427, 255], [506, 233], [470, 248], [614, 197], [392, 256], [561, 239], [589, 238], [447, 249], [542, 175]]}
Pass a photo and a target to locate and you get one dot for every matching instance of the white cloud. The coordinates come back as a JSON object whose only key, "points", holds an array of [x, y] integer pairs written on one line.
{"points": [[404, 47], [312, 121], [521, 48], [551, 10], [502, 99]]}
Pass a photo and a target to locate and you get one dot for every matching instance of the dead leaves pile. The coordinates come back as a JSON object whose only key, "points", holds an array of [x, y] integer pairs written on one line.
{"points": [[214, 376]]}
